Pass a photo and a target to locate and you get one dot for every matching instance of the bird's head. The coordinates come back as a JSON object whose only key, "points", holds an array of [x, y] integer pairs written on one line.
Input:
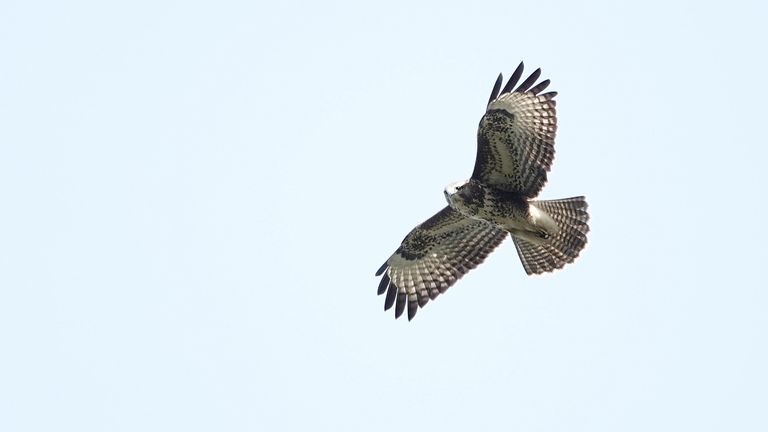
{"points": [[453, 188], [467, 197]]}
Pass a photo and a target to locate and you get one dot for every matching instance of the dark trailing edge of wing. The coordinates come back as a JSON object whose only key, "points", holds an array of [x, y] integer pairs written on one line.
{"points": [[396, 298], [525, 86], [393, 294]]}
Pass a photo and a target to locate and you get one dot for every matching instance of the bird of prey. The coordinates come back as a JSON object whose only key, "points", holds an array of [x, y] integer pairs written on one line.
{"points": [[515, 149]]}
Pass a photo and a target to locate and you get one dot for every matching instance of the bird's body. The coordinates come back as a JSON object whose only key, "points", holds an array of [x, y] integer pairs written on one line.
{"points": [[515, 149], [504, 210]]}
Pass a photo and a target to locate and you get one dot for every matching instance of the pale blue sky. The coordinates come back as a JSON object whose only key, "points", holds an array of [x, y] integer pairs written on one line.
{"points": [[195, 197]]}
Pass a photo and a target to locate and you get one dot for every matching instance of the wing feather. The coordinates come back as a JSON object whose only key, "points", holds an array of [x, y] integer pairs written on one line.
{"points": [[433, 256], [513, 79], [528, 82], [495, 90], [391, 295], [383, 284], [516, 138], [540, 87]]}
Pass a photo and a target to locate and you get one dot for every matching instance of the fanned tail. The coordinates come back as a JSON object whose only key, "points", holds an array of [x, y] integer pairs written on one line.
{"points": [[572, 217]]}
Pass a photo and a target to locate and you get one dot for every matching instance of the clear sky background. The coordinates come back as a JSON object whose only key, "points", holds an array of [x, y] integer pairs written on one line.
{"points": [[196, 195]]}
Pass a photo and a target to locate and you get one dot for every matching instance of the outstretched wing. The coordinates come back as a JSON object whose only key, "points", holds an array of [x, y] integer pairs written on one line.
{"points": [[516, 136], [433, 256]]}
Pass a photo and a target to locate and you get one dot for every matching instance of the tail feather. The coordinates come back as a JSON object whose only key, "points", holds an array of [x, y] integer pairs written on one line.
{"points": [[571, 214]]}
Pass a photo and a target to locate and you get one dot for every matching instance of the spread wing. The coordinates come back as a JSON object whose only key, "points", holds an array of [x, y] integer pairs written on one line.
{"points": [[433, 256], [516, 136]]}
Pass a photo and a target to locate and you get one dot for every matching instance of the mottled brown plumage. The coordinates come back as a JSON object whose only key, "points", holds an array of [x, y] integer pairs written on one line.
{"points": [[515, 150]]}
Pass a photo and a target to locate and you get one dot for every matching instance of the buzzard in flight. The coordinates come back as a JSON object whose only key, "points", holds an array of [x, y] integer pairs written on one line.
{"points": [[515, 149]]}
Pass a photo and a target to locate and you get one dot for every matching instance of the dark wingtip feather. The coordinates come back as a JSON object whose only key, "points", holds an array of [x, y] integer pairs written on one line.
{"points": [[391, 295], [549, 95], [496, 87], [514, 78], [382, 268], [383, 284], [529, 81], [540, 86], [413, 307], [400, 305]]}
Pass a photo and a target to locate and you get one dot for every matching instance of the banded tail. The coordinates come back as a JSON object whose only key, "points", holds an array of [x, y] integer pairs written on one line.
{"points": [[572, 217]]}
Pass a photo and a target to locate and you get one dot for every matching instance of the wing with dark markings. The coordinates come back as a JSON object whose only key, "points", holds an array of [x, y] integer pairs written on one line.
{"points": [[432, 257], [516, 136]]}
